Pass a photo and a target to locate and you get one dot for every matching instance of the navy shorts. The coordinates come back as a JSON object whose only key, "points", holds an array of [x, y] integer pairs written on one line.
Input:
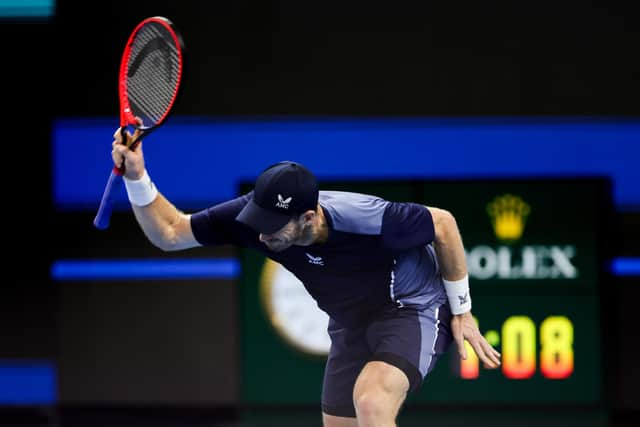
{"points": [[409, 339]]}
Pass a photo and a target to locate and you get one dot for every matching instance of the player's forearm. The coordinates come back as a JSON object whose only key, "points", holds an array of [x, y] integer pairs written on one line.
{"points": [[158, 218], [448, 245], [452, 259], [159, 221]]}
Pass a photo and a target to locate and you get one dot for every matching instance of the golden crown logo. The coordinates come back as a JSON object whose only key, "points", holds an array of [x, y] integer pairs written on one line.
{"points": [[508, 216]]}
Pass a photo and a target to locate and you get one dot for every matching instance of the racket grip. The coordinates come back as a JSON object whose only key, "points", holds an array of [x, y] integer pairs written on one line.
{"points": [[101, 221]]}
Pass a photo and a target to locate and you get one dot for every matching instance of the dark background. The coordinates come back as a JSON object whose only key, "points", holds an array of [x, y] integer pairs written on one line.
{"points": [[426, 59]]}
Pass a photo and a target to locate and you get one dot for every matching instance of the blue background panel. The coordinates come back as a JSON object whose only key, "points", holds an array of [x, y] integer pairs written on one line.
{"points": [[196, 161], [27, 383], [27, 8]]}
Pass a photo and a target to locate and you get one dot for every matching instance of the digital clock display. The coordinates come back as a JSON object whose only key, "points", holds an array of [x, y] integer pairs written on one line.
{"points": [[519, 342], [535, 263]]}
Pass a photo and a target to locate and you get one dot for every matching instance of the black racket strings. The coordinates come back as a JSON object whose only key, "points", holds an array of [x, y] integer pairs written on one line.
{"points": [[153, 73]]}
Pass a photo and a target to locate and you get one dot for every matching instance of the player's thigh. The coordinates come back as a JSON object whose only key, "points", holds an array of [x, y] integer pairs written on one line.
{"points": [[383, 376], [333, 421], [411, 340]]}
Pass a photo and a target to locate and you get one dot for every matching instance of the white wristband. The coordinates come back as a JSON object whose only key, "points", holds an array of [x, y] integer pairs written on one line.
{"points": [[141, 191], [458, 295]]}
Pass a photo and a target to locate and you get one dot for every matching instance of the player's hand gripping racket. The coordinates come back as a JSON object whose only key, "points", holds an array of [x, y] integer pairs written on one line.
{"points": [[150, 74]]}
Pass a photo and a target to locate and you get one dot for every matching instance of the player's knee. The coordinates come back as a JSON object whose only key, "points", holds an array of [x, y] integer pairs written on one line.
{"points": [[370, 402], [375, 400]]}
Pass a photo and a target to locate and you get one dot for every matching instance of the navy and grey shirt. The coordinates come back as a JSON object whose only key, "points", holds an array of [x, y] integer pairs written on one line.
{"points": [[377, 253]]}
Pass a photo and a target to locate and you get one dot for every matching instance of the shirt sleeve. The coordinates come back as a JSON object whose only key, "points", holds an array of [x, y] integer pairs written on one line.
{"points": [[217, 224], [407, 225]]}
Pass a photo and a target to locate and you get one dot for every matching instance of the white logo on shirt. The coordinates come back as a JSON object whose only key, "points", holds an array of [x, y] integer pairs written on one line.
{"points": [[317, 260], [282, 202]]}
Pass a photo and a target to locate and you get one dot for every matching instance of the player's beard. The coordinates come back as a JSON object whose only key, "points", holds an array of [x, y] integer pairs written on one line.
{"points": [[285, 238], [295, 233]]}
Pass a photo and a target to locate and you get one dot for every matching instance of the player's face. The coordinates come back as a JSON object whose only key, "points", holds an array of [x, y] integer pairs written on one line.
{"points": [[296, 232], [283, 238]]}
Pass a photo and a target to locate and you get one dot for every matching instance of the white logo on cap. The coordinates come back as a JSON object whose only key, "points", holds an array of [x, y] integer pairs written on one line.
{"points": [[282, 202]]}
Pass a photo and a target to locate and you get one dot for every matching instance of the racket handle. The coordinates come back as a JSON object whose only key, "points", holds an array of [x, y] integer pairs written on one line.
{"points": [[103, 216], [101, 221]]}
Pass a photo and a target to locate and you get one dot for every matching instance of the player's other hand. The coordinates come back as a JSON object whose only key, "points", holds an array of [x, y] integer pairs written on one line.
{"points": [[464, 327]]}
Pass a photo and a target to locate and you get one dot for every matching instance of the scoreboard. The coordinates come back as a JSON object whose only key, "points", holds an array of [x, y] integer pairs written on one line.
{"points": [[536, 255]]}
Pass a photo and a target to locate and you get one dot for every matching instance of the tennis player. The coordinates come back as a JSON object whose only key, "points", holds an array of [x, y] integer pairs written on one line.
{"points": [[393, 277]]}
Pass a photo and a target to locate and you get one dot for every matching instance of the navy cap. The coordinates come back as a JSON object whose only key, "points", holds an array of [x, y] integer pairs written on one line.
{"points": [[281, 191]]}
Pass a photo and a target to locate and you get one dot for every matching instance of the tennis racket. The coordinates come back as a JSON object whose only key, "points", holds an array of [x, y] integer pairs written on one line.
{"points": [[150, 73]]}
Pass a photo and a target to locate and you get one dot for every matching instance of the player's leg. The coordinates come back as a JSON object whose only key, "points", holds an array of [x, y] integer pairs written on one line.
{"points": [[379, 392], [406, 343]]}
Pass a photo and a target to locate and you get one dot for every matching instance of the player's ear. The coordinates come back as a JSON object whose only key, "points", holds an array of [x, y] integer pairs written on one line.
{"points": [[308, 216]]}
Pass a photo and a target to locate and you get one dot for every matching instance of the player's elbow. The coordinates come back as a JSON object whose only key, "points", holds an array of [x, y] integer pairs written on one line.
{"points": [[165, 246], [166, 241]]}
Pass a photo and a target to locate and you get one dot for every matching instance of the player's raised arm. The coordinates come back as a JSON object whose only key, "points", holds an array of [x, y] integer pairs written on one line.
{"points": [[164, 225], [148, 83]]}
